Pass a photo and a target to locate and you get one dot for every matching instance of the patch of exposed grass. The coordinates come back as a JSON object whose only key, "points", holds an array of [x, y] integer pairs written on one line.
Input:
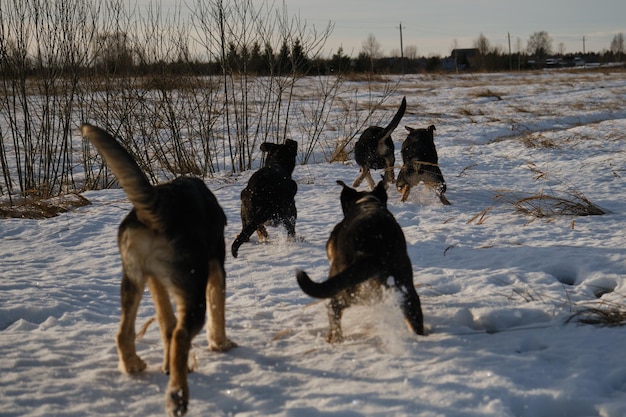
{"points": [[34, 208]]}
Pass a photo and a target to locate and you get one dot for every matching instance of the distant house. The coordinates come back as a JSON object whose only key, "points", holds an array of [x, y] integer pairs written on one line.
{"points": [[461, 59]]}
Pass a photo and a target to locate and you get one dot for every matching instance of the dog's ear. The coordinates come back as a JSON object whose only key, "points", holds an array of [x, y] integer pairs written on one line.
{"points": [[348, 197], [268, 146], [291, 145], [380, 192], [431, 128], [410, 129]]}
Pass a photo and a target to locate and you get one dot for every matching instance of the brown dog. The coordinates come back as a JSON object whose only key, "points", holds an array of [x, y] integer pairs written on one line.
{"points": [[173, 240], [420, 163], [367, 251]]}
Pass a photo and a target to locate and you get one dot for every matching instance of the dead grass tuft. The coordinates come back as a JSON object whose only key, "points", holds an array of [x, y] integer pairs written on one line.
{"points": [[542, 205], [488, 94], [567, 202], [614, 316], [33, 208]]}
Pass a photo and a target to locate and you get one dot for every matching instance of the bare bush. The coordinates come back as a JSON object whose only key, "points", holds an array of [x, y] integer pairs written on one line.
{"points": [[186, 95]]}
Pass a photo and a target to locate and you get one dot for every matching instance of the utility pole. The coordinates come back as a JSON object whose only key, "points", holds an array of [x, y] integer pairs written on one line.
{"points": [[401, 50], [510, 55], [584, 52]]}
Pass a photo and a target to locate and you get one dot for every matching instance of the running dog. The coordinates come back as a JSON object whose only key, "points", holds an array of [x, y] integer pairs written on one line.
{"points": [[269, 197], [367, 251], [420, 163], [375, 150], [173, 241]]}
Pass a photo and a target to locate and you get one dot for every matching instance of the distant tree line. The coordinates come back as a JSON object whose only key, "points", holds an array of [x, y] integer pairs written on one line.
{"points": [[113, 52]]}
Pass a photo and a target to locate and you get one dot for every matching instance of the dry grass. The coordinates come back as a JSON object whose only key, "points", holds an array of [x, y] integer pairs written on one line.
{"points": [[566, 202], [488, 94], [542, 205], [34, 208], [614, 316], [480, 218], [538, 141]]}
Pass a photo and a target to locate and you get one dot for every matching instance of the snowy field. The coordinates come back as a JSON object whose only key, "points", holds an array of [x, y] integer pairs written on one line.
{"points": [[500, 289]]}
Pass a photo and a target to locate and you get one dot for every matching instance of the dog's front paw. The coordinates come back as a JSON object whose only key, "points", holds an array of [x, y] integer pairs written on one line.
{"points": [[222, 346], [176, 402], [132, 365]]}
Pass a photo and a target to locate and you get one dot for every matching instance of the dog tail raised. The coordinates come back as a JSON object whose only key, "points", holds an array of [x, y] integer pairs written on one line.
{"points": [[355, 274], [140, 192], [396, 119]]}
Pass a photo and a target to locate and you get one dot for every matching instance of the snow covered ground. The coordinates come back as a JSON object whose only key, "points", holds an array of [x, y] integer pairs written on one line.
{"points": [[498, 287]]}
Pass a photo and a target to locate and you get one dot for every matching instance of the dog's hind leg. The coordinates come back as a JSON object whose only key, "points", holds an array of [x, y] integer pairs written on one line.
{"points": [[440, 186], [440, 190], [290, 225], [262, 233], [412, 309], [131, 294], [364, 171], [216, 305], [335, 311], [289, 221], [190, 318], [249, 227], [370, 180], [405, 191], [165, 315]]}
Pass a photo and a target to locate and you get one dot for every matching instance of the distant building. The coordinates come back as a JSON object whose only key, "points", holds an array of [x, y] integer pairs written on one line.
{"points": [[461, 59]]}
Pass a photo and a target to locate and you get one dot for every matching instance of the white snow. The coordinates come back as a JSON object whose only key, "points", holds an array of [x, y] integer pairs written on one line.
{"points": [[497, 286]]}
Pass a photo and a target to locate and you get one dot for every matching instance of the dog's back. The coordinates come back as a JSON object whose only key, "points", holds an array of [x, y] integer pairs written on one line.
{"points": [[183, 206], [374, 149]]}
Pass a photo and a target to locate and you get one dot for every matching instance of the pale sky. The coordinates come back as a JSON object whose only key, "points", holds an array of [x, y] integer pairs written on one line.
{"points": [[436, 26], [433, 25]]}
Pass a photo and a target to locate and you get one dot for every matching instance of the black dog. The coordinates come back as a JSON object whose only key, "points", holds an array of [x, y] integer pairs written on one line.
{"points": [[173, 240], [420, 163], [365, 249], [269, 196], [375, 150]]}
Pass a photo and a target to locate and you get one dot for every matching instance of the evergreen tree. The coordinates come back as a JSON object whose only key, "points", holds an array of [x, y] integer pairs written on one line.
{"points": [[284, 59], [299, 59]]}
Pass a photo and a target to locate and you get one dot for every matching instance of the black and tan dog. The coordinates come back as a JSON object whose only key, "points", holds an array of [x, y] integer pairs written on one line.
{"points": [[173, 240], [269, 197], [375, 150], [420, 163], [367, 251]]}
